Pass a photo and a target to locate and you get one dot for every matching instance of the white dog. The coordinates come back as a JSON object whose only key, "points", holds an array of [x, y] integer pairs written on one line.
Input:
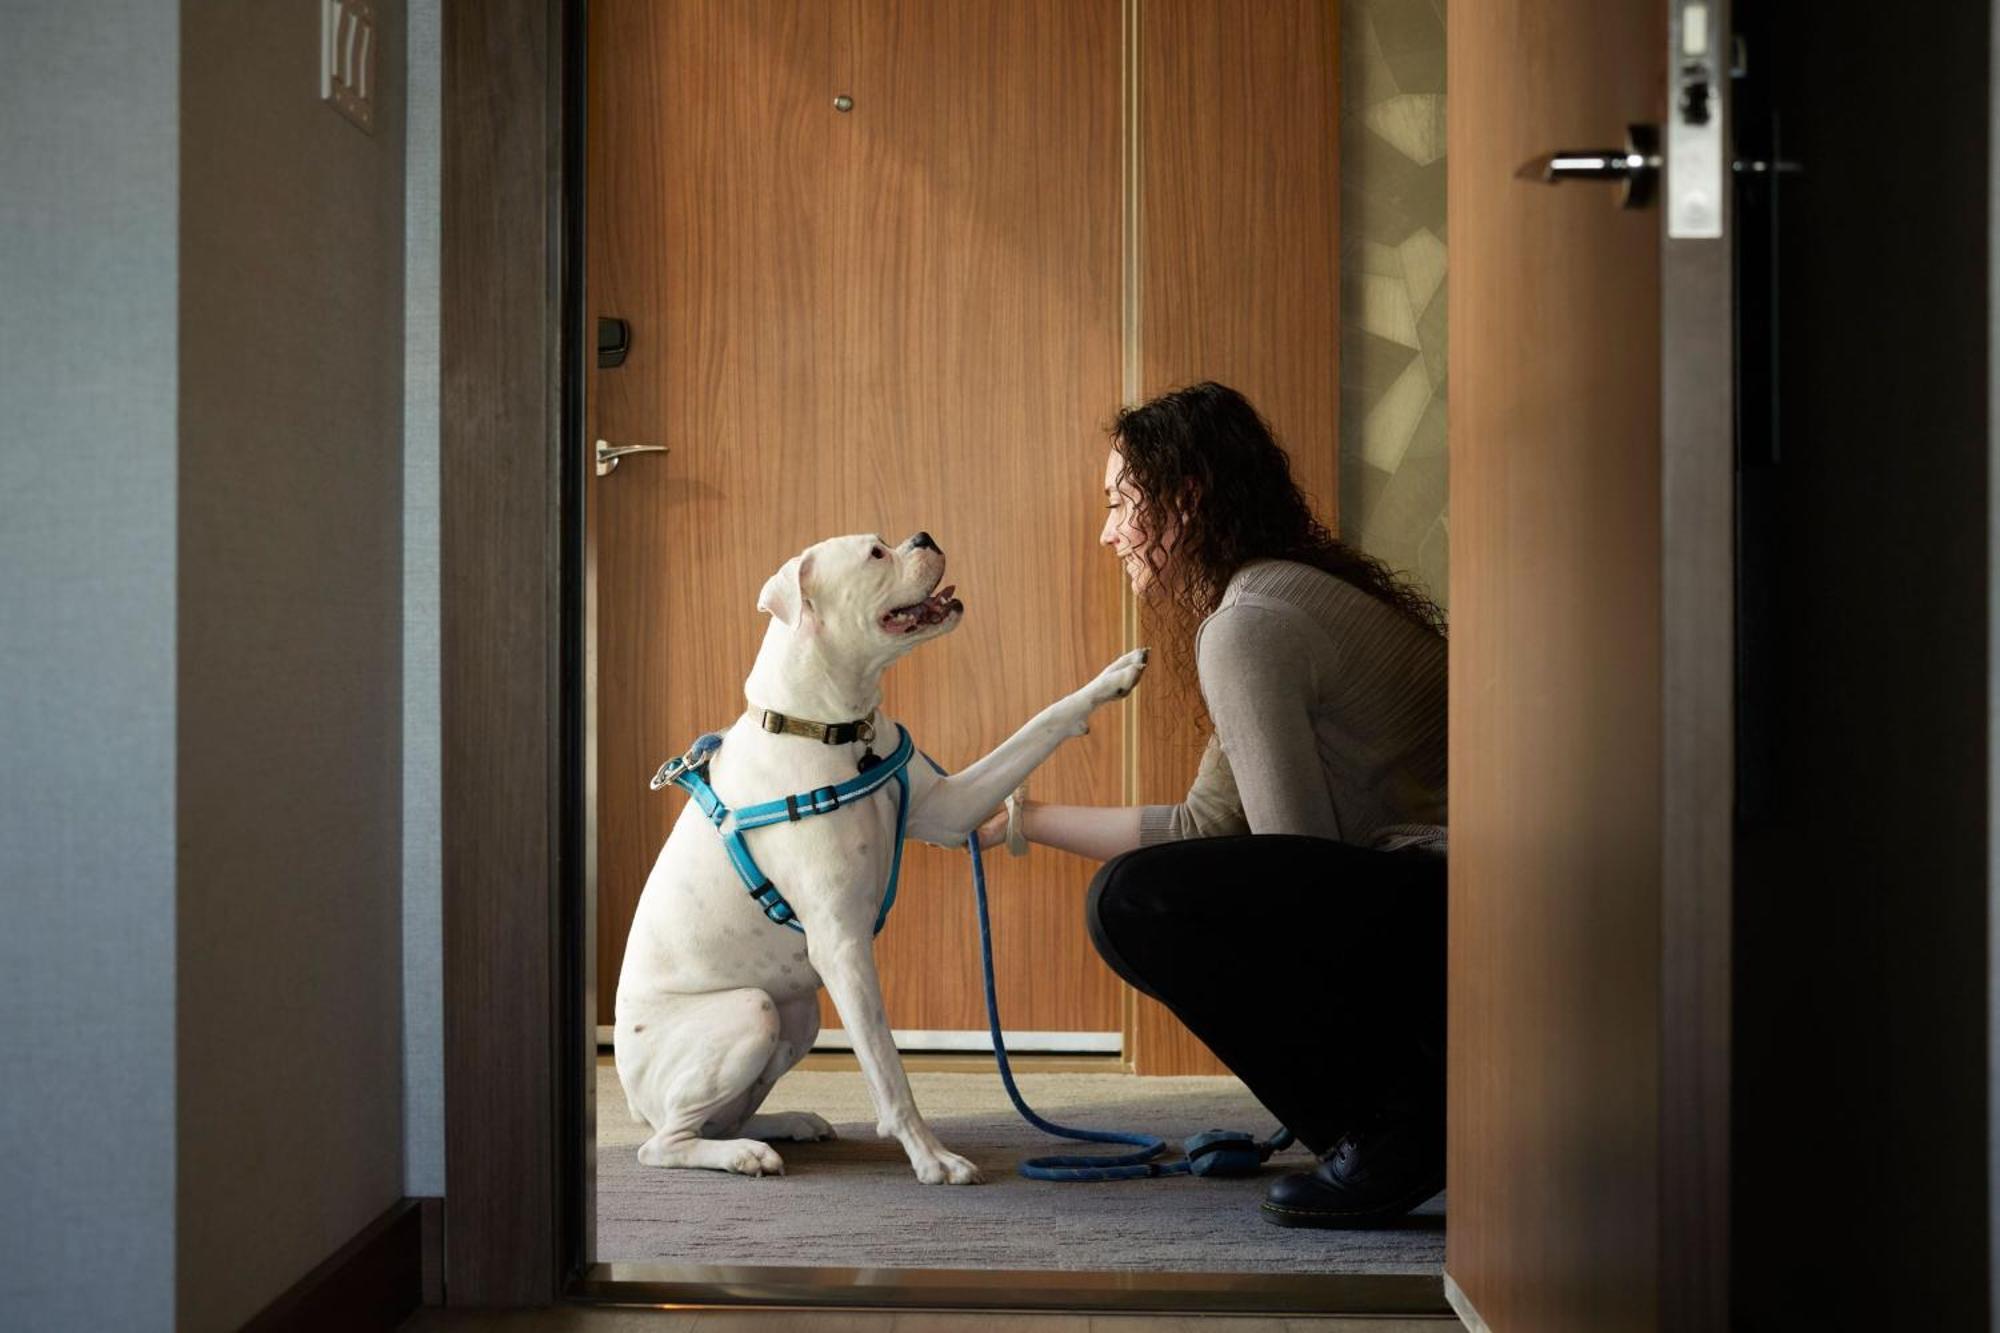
{"points": [[716, 999]]}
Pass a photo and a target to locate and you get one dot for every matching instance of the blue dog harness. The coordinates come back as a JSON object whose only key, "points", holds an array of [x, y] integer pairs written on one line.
{"points": [[685, 772], [1216, 1152]]}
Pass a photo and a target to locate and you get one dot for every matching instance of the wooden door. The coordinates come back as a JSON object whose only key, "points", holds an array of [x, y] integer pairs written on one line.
{"points": [[1590, 696], [896, 317]]}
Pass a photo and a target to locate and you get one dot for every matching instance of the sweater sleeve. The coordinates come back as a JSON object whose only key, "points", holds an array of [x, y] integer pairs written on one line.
{"points": [[1258, 678], [1211, 808]]}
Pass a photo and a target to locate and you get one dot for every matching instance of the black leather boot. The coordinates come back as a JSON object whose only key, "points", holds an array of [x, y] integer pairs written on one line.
{"points": [[1372, 1176]]}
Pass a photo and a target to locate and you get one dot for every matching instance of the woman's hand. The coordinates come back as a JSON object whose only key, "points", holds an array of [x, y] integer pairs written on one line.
{"points": [[1099, 832], [993, 832]]}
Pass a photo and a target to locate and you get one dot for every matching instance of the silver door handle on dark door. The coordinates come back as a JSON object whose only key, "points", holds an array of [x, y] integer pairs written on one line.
{"points": [[1635, 167], [608, 455]]}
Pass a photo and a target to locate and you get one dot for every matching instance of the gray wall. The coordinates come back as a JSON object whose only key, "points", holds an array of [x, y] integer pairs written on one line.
{"points": [[290, 669], [423, 852], [87, 479]]}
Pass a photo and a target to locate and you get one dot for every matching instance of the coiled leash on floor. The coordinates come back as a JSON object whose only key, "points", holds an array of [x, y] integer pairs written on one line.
{"points": [[1215, 1152]]}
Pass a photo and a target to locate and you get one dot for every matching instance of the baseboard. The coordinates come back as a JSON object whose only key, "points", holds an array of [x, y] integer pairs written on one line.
{"points": [[1462, 1306], [924, 1039], [432, 1224], [373, 1282], [909, 1040]]}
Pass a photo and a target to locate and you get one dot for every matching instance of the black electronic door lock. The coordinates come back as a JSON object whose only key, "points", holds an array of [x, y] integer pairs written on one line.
{"points": [[614, 339]]}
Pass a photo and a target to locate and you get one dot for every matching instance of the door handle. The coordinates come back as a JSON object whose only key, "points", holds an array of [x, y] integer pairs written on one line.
{"points": [[1635, 167], [608, 456]]}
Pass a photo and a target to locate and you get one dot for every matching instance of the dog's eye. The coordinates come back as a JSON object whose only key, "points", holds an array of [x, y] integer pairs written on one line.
{"points": [[877, 553]]}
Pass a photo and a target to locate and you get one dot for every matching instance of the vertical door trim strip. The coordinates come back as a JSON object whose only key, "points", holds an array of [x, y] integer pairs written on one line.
{"points": [[1128, 92]]}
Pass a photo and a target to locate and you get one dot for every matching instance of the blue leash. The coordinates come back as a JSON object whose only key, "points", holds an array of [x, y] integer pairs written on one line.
{"points": [[1215, 1152]]}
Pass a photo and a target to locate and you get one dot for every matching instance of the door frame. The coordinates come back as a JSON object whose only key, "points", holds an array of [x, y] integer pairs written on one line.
{"points": [[516, 1114], [1698, 768], [519, 1021]]}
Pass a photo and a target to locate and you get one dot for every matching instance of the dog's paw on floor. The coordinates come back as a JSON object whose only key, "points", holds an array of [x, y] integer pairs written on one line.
{"points": [[948, 1168], [744, 1157]]}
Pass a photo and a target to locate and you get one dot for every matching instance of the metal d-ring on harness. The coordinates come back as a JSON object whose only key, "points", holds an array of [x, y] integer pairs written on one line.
{"points": [[1215, 1152]]}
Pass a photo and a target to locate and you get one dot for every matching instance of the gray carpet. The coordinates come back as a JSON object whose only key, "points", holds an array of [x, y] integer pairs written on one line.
{"points": [[853, 1202]]}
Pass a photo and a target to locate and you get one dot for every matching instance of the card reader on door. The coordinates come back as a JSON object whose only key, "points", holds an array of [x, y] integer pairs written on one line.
{"points": [[1694, 162]]}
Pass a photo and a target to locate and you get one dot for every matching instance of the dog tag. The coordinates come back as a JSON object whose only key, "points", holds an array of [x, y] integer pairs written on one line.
{"points": [[867, 761]]}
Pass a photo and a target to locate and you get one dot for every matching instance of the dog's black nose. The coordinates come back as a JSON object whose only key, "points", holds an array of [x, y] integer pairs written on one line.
{"points": [[924, 539]]}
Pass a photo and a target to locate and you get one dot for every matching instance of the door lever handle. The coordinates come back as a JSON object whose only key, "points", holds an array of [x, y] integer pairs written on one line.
{"points": [[1635, 167], [608, 456]]}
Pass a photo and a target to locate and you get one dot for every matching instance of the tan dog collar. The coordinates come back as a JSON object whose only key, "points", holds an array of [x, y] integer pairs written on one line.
{"points": [[829, 733]]}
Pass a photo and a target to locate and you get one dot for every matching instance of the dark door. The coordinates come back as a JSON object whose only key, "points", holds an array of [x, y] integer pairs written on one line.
{"points": [[1864, 865]]}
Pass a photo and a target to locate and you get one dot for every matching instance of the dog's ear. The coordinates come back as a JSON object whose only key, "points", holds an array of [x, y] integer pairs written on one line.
{"points": [[786, 594]]}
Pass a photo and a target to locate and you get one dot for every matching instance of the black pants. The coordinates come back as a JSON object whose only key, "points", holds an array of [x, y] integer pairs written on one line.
{"points": [[1315, 970]]}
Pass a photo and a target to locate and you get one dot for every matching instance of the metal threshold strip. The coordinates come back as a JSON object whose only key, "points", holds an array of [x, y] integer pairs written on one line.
{"points": [[681, 1286]]}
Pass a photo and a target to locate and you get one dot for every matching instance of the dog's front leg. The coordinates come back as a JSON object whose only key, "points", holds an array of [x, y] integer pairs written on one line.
{"points": [[946, 810], [847, 966]]}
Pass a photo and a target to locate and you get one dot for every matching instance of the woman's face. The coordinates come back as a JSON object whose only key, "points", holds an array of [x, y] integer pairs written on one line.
{"points": [[1122, 533]]}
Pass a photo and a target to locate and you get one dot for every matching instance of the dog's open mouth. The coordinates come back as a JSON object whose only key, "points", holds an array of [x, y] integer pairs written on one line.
{"points": [[917, 615]]}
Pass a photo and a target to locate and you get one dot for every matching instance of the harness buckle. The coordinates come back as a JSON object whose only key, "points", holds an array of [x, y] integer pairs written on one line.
{"points": [[849, 732], [819, 801], [695, 758]]}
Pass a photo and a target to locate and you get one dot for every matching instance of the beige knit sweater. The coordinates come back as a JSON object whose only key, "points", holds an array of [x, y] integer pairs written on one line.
{"points": [[1329, 712]]}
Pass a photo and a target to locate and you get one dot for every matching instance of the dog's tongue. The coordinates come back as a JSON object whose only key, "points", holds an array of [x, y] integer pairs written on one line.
{"points": [[932, 610]]}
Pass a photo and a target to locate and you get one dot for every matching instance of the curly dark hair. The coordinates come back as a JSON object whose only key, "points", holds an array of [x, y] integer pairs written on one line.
{"points": [[1205, 451]]}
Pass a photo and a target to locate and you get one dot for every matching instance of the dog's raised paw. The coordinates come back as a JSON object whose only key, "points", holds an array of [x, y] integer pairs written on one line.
{"points": [[1120, 678]]}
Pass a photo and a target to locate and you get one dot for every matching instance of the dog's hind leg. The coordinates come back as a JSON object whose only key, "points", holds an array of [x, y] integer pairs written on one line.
{"points": [[692, 1059], [798, 1027]]}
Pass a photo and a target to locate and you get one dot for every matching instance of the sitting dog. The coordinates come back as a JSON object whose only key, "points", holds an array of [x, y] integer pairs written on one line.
{"points": [[717, 998]]}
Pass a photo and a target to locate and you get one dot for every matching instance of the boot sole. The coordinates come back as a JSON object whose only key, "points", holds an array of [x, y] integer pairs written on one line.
{"points": [[1355, 1219]]}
